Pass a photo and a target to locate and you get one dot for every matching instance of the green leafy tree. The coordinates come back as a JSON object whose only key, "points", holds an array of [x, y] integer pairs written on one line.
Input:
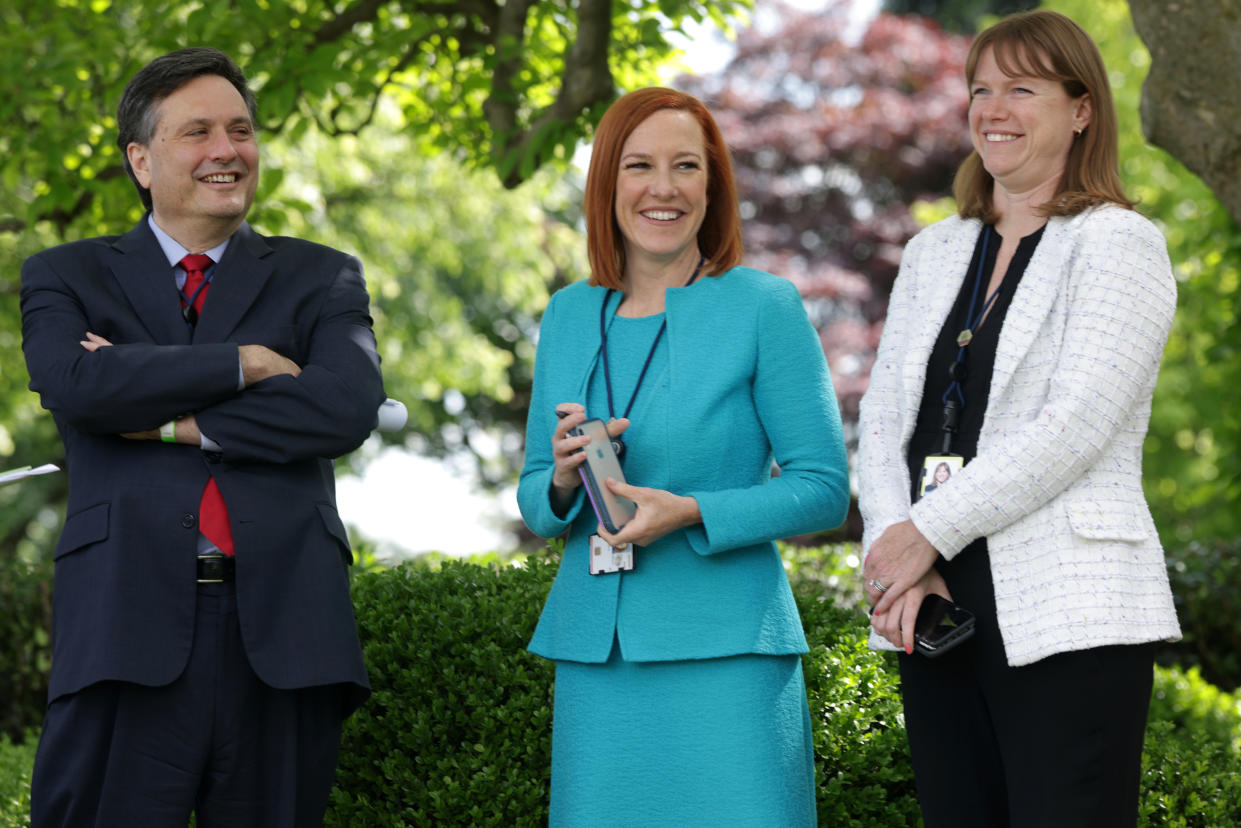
{"points": [[958, 15], [509, 85], [390, 129], [459, 270]]}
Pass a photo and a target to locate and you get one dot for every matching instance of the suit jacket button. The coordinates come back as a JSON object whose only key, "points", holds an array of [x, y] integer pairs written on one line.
{"points": [[189, 521]]}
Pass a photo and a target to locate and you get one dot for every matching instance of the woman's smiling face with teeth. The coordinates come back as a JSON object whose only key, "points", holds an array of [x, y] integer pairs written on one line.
{"points": [[661, 187], [1022, 126]]}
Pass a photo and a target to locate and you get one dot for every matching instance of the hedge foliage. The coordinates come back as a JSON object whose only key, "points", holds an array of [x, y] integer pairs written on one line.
{"points": [[16, 760], [1206, 585], [25, 643], [458, 731]]}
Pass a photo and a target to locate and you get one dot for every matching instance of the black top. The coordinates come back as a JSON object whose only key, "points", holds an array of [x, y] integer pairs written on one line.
{"points": [[928, 434]]}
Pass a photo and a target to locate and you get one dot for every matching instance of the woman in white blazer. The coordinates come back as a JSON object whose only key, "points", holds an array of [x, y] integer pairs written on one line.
{"points": [[1023, 340]]}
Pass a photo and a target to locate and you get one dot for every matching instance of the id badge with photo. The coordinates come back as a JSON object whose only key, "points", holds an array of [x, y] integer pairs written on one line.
{"points": [[604, 559], [937, 469]]}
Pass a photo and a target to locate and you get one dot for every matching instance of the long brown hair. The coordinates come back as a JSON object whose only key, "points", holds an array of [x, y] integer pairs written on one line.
{"points": [[1046, 44], [719, 238]]}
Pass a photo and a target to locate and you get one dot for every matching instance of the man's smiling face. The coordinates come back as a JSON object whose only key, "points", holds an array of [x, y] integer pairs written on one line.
{"points": [[202, 164]]}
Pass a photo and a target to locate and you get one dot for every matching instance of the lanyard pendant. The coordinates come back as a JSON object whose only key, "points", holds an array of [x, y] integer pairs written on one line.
{"points": [[964, 338]]}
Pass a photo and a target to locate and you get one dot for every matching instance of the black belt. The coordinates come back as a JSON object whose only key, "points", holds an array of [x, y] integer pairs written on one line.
{"points": [[216, 569]]}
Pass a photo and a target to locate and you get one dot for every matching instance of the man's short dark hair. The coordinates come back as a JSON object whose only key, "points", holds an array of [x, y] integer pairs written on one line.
{"points": [[138, 112]]}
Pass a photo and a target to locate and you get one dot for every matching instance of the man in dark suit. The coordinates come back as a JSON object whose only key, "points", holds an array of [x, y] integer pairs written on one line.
{"points": [[204, 648]]}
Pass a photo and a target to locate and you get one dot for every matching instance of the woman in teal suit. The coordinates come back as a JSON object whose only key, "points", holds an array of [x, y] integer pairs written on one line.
{"points": [[679, 693]]}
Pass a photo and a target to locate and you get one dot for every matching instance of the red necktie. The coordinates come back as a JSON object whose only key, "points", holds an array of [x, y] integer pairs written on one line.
{"points": [[212, 513]]}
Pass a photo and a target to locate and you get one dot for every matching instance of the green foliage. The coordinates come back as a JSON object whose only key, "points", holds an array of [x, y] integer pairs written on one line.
{"points": [[460, 722], [1206, 584], [459, 270], [1188, 781], [1189, 702], [1192, 754], [863, 773], [458, 731], [376, 139], [314, 63], [958, 15], [25, 644], [16, 761], [830, 573]]}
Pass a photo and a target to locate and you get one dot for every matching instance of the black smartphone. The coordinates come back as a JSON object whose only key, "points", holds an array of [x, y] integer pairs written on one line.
{"points": [[612, 510], [941, 625]]}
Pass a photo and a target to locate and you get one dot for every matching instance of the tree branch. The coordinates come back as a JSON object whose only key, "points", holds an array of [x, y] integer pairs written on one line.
{"points": [[586, 81], [340, 25]]}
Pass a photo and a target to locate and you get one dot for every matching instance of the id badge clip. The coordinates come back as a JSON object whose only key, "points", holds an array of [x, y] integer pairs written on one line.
{"points": [[605, 559]]}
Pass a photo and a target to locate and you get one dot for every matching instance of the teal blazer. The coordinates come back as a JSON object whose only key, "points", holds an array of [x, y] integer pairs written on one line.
{"points": [[747, 384]]}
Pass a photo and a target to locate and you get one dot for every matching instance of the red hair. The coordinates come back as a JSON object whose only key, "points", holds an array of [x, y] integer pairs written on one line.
{"points": [[719, 238]]}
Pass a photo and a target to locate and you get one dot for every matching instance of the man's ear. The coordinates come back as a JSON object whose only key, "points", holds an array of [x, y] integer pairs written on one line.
{"points": [[139, 161]]}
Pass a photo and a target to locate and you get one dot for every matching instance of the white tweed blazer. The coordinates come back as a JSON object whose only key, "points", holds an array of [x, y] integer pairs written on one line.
{"points": [[1056, 486]]}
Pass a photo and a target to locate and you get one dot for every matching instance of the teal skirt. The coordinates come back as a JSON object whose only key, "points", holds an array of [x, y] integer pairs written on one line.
{"points": [[716, 742]]}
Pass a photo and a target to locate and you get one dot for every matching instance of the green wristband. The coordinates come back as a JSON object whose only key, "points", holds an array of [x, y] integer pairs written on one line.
{"points": [[168, 431]]}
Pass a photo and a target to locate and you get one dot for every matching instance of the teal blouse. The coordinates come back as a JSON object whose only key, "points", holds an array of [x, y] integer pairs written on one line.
{"points": [[742, 381]]}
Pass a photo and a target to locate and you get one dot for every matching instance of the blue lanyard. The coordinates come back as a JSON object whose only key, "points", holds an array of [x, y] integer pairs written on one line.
{"points": [[957, 372], [187, 312]]}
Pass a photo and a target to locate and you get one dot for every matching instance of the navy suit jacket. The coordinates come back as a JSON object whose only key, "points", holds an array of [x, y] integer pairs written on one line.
{"points": [[124, 595]]}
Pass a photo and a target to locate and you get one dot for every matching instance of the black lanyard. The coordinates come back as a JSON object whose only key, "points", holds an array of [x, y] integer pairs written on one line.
{"points": [[617, 442], [957, 372], [188, 313]]}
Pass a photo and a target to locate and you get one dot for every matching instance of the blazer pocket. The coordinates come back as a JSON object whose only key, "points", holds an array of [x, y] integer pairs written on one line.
{"points": [[332, 523], [1107, 520], [83, 528]]}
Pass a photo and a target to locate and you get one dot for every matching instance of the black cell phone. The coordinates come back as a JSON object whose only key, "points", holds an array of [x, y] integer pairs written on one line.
{"points": [[941, 625], [612, 510]]}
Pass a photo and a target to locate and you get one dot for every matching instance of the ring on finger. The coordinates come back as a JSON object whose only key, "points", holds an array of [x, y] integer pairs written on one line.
{"points": [[875, 584]]}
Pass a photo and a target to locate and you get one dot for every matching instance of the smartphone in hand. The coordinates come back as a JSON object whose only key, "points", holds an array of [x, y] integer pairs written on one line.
{"points": [[612, 510], [941, 625]]}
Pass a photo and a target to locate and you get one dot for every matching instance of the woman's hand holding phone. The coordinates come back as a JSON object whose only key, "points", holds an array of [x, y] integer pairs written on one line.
{"points": [[567, 451], [899, 620], [659, 513]]}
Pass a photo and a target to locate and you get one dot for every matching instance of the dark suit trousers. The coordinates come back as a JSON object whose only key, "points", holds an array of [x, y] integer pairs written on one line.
{"points": [[1054, 744], [216, 741]]}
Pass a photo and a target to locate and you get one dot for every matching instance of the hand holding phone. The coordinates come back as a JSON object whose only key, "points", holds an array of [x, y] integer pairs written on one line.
{"points": [[612, 510], [941, 625]]}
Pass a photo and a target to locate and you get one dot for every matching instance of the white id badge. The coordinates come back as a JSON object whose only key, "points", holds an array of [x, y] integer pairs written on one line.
{"points": [[605, 559], [937, 469]]}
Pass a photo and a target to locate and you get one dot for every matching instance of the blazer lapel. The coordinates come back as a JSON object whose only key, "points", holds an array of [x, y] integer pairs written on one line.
{"points": [[592, 342], [147, 280], [238, 280], [945, 264], [1033, 301]]}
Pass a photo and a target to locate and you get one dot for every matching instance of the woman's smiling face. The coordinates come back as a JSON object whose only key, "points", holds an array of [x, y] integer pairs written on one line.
{"points": [[661, 187], [1022, 125]]}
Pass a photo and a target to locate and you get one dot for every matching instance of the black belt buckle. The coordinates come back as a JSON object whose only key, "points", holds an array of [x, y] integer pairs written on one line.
{"points": [[215, 569]]}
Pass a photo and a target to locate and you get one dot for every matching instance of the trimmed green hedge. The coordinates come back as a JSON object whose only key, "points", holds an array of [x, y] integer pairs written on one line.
{"points": [[1206, 585], [16, 760], [25, 643], [458, 731]]}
